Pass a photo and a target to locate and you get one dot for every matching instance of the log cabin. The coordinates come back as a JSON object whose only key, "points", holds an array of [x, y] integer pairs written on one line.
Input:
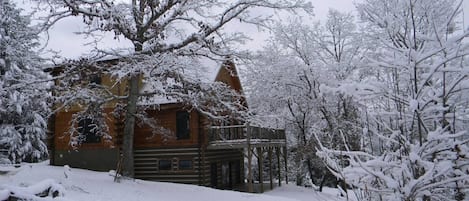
{"points": [[198, 151]]}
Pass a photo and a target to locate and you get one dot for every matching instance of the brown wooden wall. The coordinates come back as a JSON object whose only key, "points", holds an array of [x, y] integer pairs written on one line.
{"points": [[166, 118], [118, 89], [146, 164], [144, 137], [220, 157], [62, 136], [229, 75]]}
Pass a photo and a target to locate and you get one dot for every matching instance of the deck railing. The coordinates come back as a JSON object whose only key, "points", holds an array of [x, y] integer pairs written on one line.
{"points": [[241, 132]]}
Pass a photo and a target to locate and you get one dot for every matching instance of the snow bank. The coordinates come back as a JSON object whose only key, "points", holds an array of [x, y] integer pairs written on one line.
{"points": [[77, 184], [46, 188]]}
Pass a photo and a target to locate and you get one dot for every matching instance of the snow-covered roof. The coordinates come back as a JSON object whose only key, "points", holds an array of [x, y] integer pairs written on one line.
{"points": [[204, 69]]}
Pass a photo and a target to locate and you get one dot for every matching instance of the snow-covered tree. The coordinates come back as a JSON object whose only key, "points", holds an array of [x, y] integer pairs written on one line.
{"points": [[300, 75], [168, 37], [416, 98], [23, 103]]}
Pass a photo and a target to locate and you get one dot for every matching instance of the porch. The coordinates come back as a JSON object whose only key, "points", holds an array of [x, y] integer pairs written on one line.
{"points": [[259, 142]]}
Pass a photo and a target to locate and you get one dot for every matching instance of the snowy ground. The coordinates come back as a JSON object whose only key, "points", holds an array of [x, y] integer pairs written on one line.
{"points": [[98, 186]]}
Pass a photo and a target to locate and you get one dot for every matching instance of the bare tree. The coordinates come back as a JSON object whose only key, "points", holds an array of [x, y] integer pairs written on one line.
{"points": [[416, 104], [309, 67]]}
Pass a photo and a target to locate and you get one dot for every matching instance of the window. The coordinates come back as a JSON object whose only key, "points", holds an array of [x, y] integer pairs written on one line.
{"points": [[164, 165], [87, 128], [95, 79], [182, 125], [185, 164]]}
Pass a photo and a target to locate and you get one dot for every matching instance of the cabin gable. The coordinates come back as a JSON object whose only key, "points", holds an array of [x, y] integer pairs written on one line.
{"points": [[228, 74]]}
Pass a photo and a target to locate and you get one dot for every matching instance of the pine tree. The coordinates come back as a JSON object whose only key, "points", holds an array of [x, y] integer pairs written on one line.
{"points": [[23, 101]]}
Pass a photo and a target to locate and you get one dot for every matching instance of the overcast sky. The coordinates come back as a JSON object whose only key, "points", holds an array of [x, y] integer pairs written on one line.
{"points": [[71, 45]]}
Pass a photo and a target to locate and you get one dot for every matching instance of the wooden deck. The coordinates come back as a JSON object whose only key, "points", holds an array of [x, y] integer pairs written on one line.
{"points": [[262, 143], [242, 136]]}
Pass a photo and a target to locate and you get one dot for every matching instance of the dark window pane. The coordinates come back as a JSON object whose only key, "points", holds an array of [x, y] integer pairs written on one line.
{"points": [[182, 125], [185, 164], [164, 165], [87, 128], [95, 79]]}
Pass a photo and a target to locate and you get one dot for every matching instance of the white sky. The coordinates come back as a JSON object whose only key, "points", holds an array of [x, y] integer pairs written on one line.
{"points": [[70, 45]]}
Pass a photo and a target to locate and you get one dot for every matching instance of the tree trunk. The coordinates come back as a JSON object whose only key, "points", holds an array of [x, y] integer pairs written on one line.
{"points": [[323, 180], [128, 138]]}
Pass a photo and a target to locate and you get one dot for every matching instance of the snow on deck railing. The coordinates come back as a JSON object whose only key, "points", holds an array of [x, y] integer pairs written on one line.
{"points": [[239, 132]]}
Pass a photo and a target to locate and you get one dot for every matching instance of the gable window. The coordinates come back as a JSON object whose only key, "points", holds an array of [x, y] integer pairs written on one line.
{"points": [[87, 128], [95, 79], [185, 164], [164, 165], [182, 125]]}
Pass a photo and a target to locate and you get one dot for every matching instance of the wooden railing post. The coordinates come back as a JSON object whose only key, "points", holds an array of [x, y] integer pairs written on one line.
{"points": [[270, 169], [277, 150], [248, 141], [285, 158], [261, 167]]}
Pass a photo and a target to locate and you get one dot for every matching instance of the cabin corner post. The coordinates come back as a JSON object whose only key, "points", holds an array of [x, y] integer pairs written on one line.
{"points": [[51, 138]]}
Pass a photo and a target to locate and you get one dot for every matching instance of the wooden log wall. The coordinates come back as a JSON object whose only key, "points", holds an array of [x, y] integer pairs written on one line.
{"points": [[147, 159], [166, 118], [61, 126], [219, 157], [147, 162]]}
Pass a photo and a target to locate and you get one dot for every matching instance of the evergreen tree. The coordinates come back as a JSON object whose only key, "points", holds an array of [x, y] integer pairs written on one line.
{"points": [[23, 101]]}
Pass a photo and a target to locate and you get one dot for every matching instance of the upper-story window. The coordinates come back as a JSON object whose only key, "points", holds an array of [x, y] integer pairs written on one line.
{"points": [[87, 128], [95, 79], [182, 125]]}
